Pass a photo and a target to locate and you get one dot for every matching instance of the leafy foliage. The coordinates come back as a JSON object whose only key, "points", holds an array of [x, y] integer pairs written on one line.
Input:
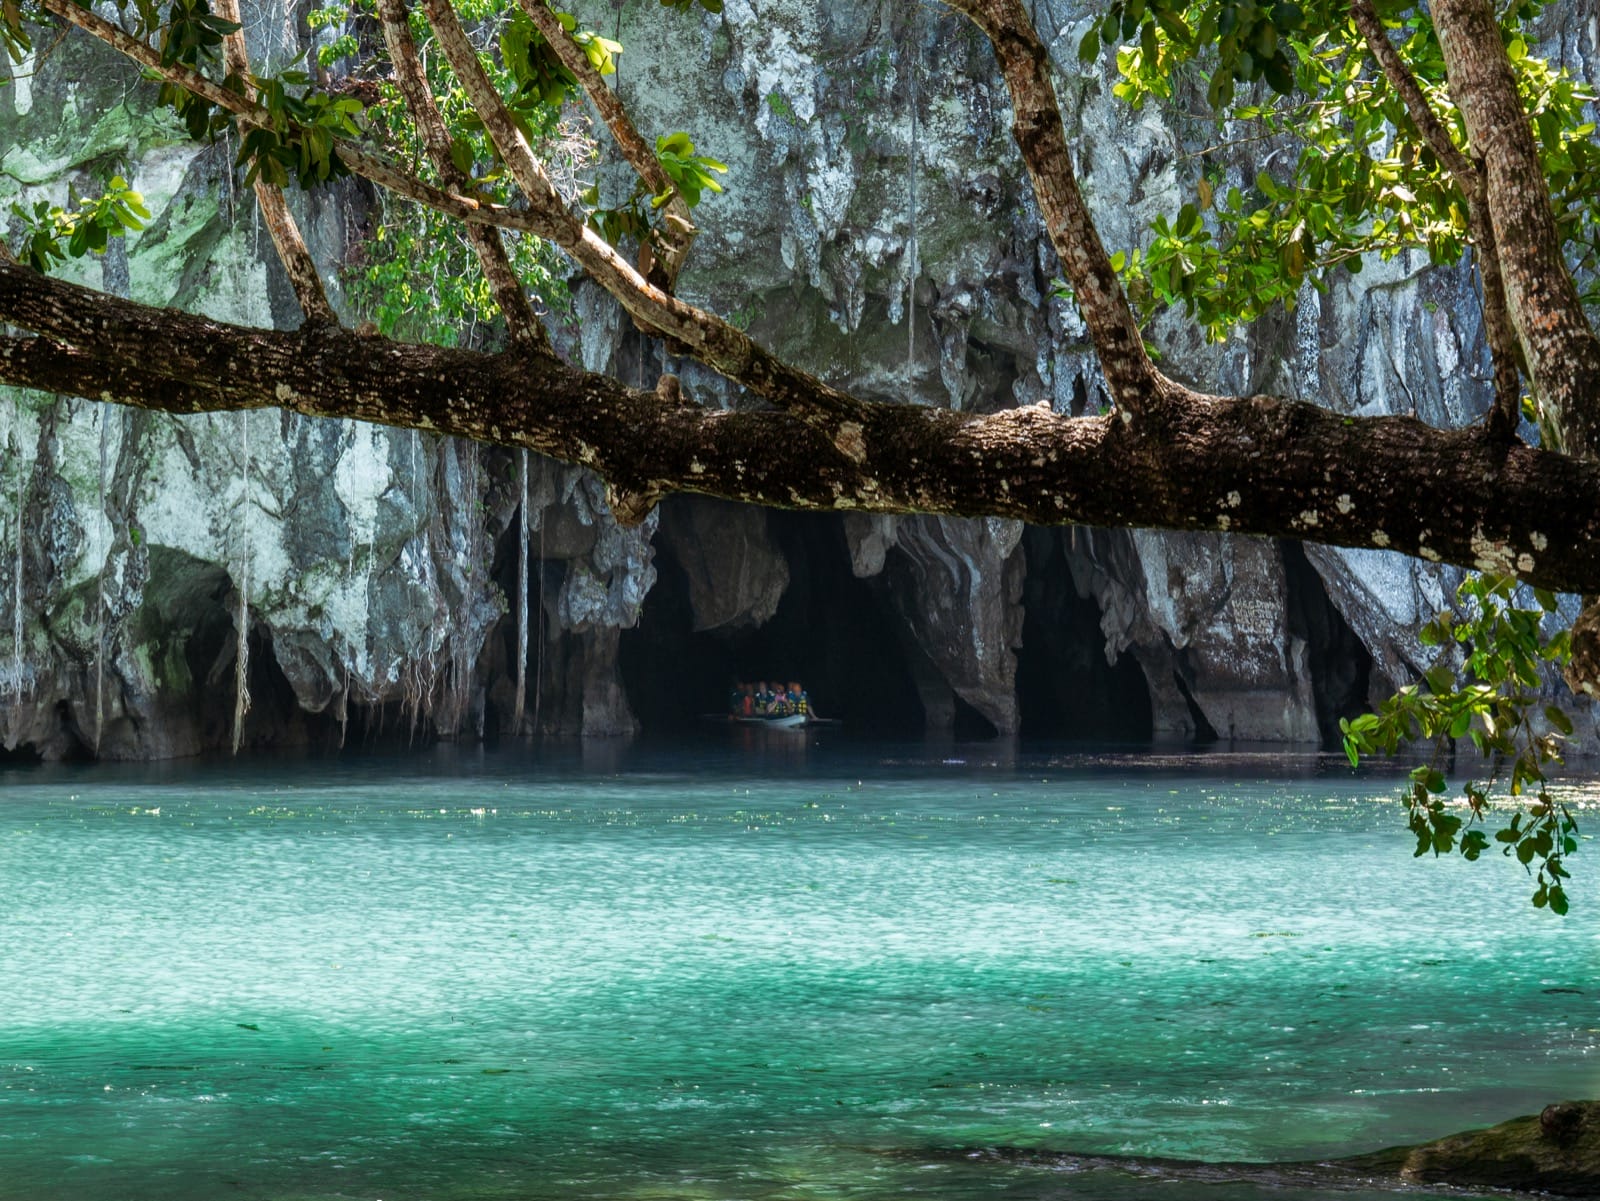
{"points": [[52, 234], [1494, 700], [1345, 175], [297, 141], [691, 175], [13, 33], [416, 277], [683, 6]]}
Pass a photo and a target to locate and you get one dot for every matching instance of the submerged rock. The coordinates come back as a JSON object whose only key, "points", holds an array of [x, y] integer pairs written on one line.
{"points": [[1556, 1151]]}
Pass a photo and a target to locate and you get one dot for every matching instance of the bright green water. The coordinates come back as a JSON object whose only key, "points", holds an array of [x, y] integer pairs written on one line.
{"points": [[721, 976]]}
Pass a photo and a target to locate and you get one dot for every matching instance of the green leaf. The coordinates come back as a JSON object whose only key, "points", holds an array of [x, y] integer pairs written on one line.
{"points": [[1172, 24], [1440, 679]]}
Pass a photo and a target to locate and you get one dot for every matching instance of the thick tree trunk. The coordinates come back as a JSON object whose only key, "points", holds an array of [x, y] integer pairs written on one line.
{"points": [[1247, 465], [1562, 351]]}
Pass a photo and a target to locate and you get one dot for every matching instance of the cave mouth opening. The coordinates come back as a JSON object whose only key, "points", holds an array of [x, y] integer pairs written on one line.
{"points": [[1066, 691], [24, 754], [1340, 663], [829, 632]]}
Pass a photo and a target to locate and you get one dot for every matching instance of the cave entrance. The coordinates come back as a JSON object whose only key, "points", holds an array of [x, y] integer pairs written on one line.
{"points": [[1341, 665], [24, 754], [1065, 688], [829, 632]]}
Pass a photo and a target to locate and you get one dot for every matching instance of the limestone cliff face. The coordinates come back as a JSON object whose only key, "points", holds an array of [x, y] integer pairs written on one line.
{"points": [[878, 231]]}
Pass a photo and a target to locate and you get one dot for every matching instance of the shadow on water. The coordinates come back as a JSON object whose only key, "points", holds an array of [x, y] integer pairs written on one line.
{"points": [[710, 753]]}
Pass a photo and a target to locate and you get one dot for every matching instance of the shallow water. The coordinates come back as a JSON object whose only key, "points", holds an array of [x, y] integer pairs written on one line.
{"points": [[753, 972]]}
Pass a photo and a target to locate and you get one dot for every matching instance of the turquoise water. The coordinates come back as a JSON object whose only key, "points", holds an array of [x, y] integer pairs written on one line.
{"points": [[729, 974]]}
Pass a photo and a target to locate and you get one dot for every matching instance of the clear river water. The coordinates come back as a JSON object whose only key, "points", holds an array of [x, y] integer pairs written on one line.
{"points": [[759, 971]]}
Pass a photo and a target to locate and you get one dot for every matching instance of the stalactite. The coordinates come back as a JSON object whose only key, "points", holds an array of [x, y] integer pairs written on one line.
{"points": [[522, 596], [344, 708], [460, 662], [100, 587], [418, 671], [538, 667], [16, 582], [241, 676]]}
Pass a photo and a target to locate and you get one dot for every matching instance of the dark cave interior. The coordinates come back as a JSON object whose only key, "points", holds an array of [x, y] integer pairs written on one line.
{"points": [[830, 632]]}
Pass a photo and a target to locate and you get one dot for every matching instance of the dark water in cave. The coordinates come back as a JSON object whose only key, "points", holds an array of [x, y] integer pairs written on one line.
{"points": [[771, 969]]}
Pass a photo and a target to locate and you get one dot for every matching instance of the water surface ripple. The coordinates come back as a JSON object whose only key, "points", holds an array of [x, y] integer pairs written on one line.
{"points": [[724, 976]]}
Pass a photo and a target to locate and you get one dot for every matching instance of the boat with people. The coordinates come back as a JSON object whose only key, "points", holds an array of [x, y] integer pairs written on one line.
{"points": [[772, 705]]}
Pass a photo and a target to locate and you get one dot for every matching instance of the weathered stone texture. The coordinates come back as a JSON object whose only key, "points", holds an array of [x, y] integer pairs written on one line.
{"points": [[877, 230]]}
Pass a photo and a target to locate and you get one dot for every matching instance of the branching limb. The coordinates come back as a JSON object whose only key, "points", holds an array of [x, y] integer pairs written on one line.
{"points": [[275, 214], [679, 229], [1250, 465], [1136, 386], [522, 324], [469, 208], [1473, 182], [1562, 352], [705, 336], [1406, 87], [713, 341], [1497, 324]]}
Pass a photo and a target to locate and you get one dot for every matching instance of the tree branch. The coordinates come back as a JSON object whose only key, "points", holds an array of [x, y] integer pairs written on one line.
{"points": [[1136, 386], [1561, 350], [1251, 465], [1472, 181], [679, 229], [710, 339], [468, 208], [280, 223], [522, 324], [705, 336], [1405, 85]]}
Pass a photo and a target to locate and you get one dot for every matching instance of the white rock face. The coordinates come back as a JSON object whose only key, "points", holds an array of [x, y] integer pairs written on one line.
{"points": [[877, 230]]}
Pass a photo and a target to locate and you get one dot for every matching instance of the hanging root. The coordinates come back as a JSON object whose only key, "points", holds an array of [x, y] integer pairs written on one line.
{"points": [[241, 677], [522, 597]]}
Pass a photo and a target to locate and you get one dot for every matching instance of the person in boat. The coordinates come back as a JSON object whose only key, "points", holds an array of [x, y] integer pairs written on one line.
{"points": [[768, 698]]}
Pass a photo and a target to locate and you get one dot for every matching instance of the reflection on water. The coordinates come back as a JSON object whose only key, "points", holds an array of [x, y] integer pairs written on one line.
{"points": [[787, 968]]}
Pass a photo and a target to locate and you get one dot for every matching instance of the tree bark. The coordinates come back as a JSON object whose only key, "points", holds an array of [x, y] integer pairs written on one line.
{"points": [[1472, 180], [275, 214], [522, 324], [677, 229], [1247, 465], [1136, 386], [1561, 350]]}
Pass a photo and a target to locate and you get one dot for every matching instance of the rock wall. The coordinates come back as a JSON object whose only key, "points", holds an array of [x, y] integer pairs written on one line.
{"points": [[878, 231]]}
